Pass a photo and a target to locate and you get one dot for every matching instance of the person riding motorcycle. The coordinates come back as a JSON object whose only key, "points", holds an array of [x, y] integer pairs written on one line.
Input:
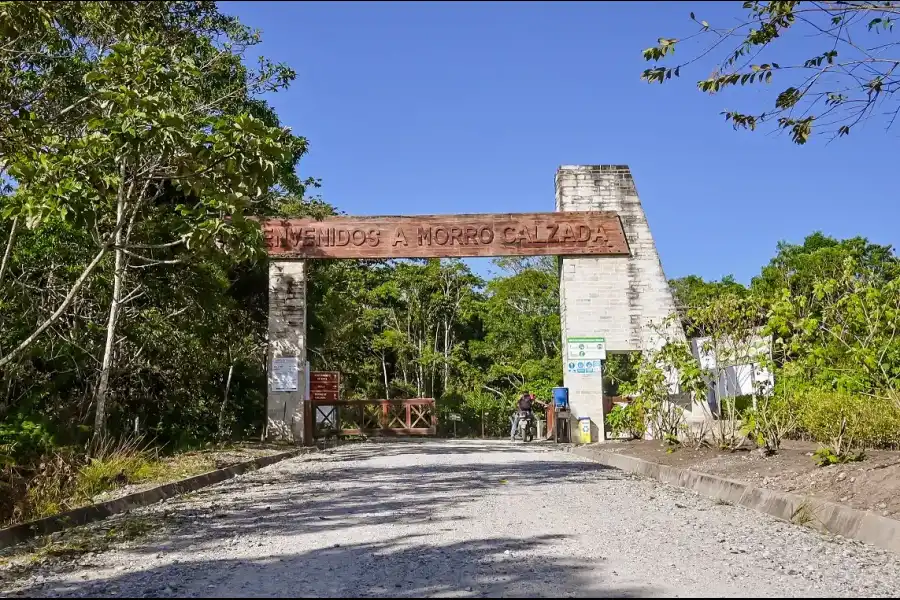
{"points": [[525, 411]]}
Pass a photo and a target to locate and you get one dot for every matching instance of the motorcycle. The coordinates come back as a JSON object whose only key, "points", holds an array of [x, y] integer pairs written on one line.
{"points": [[527, 428]]}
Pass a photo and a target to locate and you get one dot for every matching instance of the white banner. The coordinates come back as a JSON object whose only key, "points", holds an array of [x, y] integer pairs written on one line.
{"points": [[285, 374]]}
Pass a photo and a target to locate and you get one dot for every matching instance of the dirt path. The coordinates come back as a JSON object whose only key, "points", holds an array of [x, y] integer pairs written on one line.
{"points": [[872, 484], [460, 519]]}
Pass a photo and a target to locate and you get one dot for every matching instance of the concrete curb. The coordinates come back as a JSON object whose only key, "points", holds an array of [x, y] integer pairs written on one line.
{"points": [[822, 515], [96, 512]]}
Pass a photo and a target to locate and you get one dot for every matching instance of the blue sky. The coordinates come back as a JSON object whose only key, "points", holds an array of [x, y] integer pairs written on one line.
{"points": [[420, 108]]}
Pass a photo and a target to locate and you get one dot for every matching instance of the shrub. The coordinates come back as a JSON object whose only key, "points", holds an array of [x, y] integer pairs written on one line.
{"points": [[774, 418], [630, 419], [844, 422], [825, 456], [23, 440], [663, 417], [666, 420]]}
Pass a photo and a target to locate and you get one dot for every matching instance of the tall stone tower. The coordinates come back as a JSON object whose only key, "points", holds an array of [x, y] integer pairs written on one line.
{"points": [[622, 299], [287, 370]]}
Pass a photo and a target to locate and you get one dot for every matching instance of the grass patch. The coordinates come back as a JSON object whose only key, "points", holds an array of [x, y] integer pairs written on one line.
{"points": [[73, 477], [804, 515], [185, 465], [102, 475], [132, 528], [49, 490], [130, 463], [69, 479], [20, 561]]}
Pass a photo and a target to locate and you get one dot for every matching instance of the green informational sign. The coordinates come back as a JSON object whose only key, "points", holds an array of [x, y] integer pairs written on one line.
{"points": [[586, 348]]}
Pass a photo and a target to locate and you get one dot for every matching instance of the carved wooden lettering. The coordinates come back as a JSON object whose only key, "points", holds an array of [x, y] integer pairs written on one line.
{"points": [[442, 236]]}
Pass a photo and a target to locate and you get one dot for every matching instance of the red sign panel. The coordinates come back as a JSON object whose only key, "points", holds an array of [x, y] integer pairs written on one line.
{"points": [[324, 379], [324, 385], [324, 395]]}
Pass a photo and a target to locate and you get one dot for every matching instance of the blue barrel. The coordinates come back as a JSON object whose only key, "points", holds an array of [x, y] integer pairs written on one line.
{"points": [[561, 397]]}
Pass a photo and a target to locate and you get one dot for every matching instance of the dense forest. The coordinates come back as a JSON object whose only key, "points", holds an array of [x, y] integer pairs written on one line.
{"points": [[134, 146]]}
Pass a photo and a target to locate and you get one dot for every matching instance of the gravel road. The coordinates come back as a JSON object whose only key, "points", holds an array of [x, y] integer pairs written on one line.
{"points": [[461, 519]]}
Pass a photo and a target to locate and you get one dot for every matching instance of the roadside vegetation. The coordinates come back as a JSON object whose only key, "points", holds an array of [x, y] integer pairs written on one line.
{"points": [[823, 318]]}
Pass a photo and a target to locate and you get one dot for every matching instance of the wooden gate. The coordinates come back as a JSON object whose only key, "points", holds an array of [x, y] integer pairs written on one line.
{"points": [[416, 416]]}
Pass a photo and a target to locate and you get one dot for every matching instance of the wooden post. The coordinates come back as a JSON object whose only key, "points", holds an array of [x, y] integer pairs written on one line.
{"points": [[309, 423]]}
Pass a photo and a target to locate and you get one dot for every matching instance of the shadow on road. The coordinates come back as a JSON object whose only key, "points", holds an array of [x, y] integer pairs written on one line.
{"points": [[353, 492], [352, 488], [404, 567]]}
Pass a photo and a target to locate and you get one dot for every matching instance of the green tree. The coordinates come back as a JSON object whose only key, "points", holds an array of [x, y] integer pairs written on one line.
{"points": [[843, 334], [693, 291], [851, 74], [514, 265], [167, 157], [798, 266], [521, 314]]}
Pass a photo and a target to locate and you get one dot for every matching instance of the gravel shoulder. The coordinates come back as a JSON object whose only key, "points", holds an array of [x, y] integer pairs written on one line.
{"points": [[449, 519]]}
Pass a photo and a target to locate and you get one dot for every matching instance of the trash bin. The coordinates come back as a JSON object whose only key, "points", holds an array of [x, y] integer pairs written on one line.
{"points": [[561, 397], [584, 426]]}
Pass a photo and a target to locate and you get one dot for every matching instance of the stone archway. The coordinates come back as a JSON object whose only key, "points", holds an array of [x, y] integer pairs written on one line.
{"points": [[612, 283]]}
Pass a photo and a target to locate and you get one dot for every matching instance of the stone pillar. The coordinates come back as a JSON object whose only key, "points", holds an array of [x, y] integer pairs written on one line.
{"points": [[287, 341], [620, 298]]}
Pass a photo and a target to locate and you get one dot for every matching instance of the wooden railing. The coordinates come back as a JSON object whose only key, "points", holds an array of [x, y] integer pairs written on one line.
{"points": [[416, 416]]}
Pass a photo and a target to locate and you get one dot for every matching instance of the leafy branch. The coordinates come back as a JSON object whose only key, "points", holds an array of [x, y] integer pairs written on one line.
{"points": [[853, 78]]}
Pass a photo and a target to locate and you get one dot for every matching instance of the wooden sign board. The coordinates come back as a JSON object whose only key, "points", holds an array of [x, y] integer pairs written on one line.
{"points": [[445, 236], [324, 395], [324, 379], [324, 385]]}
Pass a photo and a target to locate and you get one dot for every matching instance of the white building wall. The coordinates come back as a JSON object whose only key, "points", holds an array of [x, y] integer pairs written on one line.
{"points": [[739, 375]]}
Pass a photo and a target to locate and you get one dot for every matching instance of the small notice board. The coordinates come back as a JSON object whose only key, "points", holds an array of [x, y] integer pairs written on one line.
{"points": [[285, 374], [586, 348], [584, 355]]}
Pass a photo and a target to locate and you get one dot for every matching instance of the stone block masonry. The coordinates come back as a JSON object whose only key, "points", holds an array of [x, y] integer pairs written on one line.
{"points": [[624, 299], [287, 340]]}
